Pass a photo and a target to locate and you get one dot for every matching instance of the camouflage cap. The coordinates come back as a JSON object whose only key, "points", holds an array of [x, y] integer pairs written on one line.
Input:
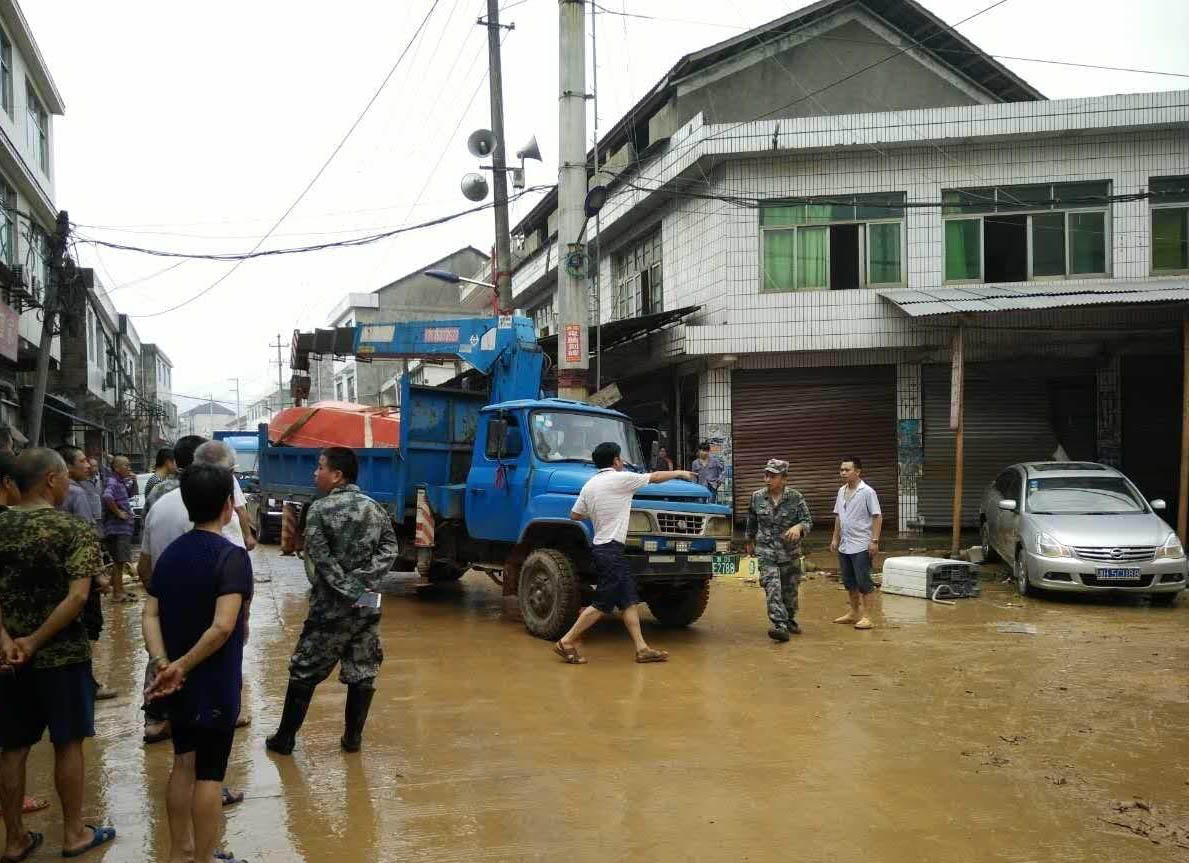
{"points": [[777, 466]]}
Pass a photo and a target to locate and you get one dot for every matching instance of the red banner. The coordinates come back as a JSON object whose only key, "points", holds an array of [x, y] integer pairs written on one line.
{"points": [[573, 343], [10, 333]]}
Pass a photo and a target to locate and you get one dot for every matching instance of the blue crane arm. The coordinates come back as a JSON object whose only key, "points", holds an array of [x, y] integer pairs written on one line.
{"points": [[505, 348]]}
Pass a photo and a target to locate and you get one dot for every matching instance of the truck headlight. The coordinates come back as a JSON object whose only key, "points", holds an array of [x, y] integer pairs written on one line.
{"points": [[718, 526], [1171, 550], [639, 522], [1047, 546]]}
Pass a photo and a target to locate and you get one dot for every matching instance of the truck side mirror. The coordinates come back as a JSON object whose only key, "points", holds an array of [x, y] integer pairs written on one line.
{"points": [[653, 452]]}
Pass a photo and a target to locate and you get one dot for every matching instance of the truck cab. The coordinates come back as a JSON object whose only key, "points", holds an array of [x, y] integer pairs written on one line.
{"points": [[530, 461]]}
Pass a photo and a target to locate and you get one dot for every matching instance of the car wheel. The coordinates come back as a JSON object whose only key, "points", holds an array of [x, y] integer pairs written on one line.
{"points": [[1023, 586], [989, 553]]}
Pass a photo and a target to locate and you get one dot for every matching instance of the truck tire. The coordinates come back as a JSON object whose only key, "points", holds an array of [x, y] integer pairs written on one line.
{"points": [[549, 593], [263, 535], [680, 608]]}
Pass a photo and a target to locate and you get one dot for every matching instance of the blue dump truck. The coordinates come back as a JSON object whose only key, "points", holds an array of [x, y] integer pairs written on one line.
{"points": [[486, 479]]}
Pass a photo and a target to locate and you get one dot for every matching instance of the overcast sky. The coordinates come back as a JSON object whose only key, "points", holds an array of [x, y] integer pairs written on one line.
{"points": [[194, 127]]}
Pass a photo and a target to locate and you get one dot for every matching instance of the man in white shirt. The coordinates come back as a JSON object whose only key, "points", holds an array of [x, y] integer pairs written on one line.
{"points": [[606, 499], [857, 527]]}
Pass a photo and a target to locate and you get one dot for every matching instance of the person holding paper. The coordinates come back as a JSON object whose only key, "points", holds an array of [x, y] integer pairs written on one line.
{"points": [[349, 545]]}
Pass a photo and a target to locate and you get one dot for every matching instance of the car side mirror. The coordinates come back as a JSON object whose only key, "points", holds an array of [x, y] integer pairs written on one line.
{"points": [[1008, 505], [1158, 505]]}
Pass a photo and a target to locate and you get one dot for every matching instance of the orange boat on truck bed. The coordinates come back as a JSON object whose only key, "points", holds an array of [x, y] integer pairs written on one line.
{"points": [[336, 424]]}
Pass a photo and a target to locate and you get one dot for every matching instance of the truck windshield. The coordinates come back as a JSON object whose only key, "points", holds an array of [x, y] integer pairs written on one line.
{"points": [[566, 436]]}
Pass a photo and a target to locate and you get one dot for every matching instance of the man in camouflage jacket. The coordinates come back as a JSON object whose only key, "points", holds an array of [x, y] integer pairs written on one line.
{"points": [[349, 545], [777, 520]]}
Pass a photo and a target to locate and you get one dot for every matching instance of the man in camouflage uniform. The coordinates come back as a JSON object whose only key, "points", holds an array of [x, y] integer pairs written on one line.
{"points": [[777, 520], [48, 562], [349, 546]]}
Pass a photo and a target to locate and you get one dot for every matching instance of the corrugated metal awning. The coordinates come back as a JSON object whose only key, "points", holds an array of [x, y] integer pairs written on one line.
{"points": [[964, 299]]}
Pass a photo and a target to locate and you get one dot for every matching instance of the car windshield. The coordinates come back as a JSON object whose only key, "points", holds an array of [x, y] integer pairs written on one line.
{"points": [[1083, 495], [569, 436]]}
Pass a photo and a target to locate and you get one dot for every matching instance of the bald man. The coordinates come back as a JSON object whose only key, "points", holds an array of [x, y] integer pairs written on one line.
{"points": [[117, 527]]}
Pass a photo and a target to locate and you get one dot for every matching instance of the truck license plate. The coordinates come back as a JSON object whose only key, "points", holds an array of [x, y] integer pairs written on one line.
{"points": [[1119, 574], [725, 564]]}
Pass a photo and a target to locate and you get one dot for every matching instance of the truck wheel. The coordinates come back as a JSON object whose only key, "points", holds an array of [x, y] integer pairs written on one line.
{"points": [[680, 608], [549, 593]]}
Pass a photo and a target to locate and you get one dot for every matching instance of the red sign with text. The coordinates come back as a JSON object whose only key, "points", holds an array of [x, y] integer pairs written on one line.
{"points": [[10, 333], [573, 343]]}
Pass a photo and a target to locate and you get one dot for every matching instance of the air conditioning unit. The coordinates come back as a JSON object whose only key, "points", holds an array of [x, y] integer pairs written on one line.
{"points": [[930, 577]]}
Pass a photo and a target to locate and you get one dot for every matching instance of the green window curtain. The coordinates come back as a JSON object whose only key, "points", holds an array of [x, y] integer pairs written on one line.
{"points": [[1048, 244], [1087, 243], [883, 253], [812, 259], [778, 260], [1170, 239], [962, 253]]}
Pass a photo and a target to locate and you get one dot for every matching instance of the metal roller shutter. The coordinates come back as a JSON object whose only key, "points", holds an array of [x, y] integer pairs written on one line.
{"points": [[1007, 421], [813, 418]]}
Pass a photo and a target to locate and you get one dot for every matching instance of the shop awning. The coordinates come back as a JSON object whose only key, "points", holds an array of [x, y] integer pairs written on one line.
{"points": [[626, 329], [964, 299]]}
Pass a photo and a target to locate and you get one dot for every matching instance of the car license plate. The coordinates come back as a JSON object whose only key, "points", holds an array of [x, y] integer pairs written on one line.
{"points": [[1120, 574], [725, 564]]}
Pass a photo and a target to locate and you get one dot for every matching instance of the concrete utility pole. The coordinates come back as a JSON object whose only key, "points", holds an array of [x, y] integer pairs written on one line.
{"points": [[210, 412], [501, 267], [573, 307], [57, 274], [238, 408], [280, 384]]}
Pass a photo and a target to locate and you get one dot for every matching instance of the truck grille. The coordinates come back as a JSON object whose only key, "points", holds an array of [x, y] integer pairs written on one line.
{"points": [[1116, 554], [679, 523]]}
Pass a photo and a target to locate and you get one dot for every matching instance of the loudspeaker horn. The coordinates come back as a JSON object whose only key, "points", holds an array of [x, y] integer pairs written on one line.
{"points": [[481, 142], [530, 150], [474, 187]]}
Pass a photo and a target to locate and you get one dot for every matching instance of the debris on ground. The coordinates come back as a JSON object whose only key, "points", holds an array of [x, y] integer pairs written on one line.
{"points": [[1017, 628], [974, 554], [1139, 818]]}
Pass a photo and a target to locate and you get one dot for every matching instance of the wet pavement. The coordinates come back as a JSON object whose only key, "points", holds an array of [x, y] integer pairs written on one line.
{"points": [[937, 736]]}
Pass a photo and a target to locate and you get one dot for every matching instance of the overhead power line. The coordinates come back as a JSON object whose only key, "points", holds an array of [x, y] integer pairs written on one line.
{"points": [[376, 95], [240, 257]]}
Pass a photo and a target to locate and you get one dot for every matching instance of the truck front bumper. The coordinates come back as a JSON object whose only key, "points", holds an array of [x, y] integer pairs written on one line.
{"points": [[665, 566]]}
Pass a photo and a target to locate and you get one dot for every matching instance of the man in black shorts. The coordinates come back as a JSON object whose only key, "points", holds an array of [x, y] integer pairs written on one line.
{"points": [[48, 560], [194, 628], [606, 499]]}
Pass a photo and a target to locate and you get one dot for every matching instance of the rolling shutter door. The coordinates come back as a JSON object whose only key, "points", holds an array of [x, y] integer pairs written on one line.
{"points": [[813, 418], [1007, 421]]}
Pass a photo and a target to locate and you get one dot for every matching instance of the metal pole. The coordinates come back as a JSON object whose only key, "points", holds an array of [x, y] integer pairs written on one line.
{"points": [[1183, 497], [598, 292], [210, 412], [238, 406], [958, 397], [573, 308], [57, 255], [502, 265]]}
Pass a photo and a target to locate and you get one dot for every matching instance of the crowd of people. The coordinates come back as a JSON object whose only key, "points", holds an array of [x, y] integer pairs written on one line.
{"points": [[66, 538]]}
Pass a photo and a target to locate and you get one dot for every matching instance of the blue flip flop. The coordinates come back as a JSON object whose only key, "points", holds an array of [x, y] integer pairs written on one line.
{"points": [[101, 836], [35, 840]]}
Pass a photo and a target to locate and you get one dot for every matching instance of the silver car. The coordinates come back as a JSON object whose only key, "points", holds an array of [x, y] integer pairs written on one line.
{"points": [[1080, 527]]}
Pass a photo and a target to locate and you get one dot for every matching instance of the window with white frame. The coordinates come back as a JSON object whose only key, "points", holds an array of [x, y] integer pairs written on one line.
{"points": [[8, 227], [839, 242], [637, 276], [1021, 233], [37, 129], [1170, 224], [6, 74], [545, 316]]}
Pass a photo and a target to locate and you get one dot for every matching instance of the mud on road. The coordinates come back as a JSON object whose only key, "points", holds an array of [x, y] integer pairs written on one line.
{"points": [[941, 735]]}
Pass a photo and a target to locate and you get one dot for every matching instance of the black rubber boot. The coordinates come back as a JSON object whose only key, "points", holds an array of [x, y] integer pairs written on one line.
{"points": [[297, 702], [778, 633], [794, 627], [359, 700]]}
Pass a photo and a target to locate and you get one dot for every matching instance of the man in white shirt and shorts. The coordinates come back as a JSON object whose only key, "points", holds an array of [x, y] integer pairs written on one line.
{"points": [[857, 525], [606, 499]]}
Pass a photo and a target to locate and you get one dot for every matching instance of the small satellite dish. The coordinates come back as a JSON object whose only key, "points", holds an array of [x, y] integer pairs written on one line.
{"points": [[480, 143], [529, 150], [474, 187]]}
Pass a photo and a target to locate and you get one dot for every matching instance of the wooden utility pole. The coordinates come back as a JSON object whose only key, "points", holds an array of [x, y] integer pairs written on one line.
{"points": [[958, 425], [1183, 496], [57, 274]]}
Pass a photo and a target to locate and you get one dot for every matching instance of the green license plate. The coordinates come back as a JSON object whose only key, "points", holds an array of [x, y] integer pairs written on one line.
{"points": [[725, 564]]}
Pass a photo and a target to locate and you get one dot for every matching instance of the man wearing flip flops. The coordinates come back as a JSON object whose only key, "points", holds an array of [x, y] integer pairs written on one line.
{"points": [[857, 524], [606, 500], [48, 560]]}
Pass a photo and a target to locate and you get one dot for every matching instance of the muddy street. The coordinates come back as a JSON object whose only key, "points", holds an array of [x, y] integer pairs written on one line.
{"points": [[997, 729]]}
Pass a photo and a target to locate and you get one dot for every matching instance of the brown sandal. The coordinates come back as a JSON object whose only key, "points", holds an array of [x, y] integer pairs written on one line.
{"points": [[569, 654], [651, 655]]}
